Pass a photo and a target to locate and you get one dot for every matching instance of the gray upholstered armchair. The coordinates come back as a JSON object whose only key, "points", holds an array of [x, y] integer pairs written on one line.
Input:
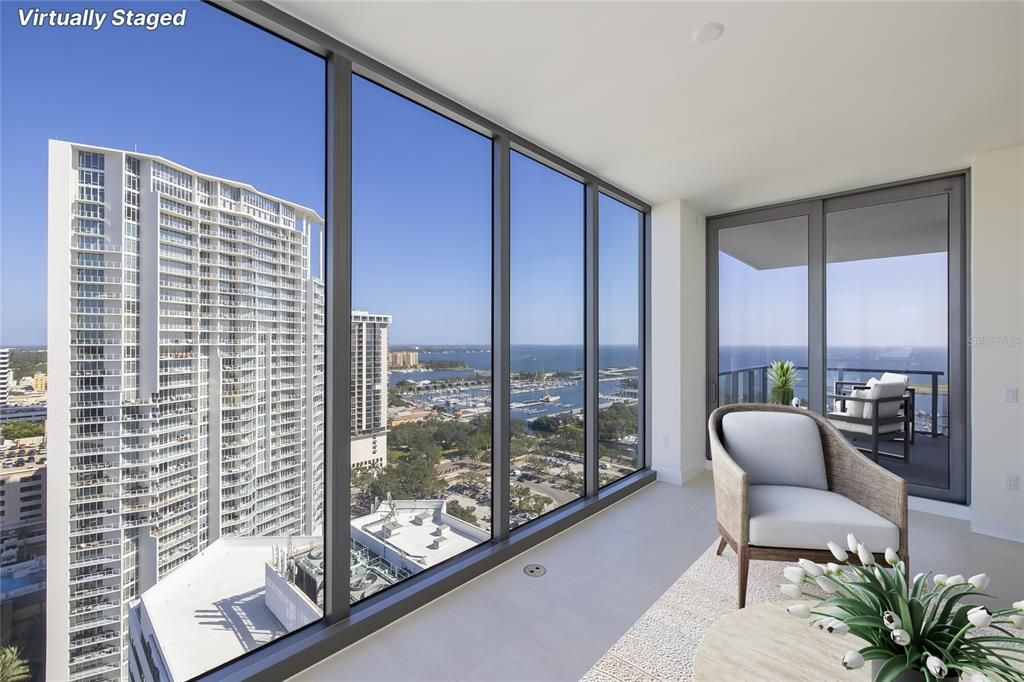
{"points": [[787, 482]]}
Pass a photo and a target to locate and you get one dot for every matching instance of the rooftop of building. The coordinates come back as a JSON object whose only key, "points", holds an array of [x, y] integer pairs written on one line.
{"points": [[419, 531], [212, 609], [365, 316]]}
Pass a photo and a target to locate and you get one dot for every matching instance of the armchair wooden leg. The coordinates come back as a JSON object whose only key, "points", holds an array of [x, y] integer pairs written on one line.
{"points": [[721, 546], [743, 556]]}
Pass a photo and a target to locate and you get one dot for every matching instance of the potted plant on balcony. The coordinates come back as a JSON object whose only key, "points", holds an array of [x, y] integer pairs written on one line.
{"points": [[911, 630], [782, 375]]}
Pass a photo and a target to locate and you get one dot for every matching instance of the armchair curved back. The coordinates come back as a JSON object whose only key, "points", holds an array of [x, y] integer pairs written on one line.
{"points": [[776, 448], [847, 470]]}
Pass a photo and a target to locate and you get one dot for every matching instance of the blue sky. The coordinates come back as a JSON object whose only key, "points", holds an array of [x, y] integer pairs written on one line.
{"points": [[219, 96], [546, 232], [899, 301], [618, 266], [225, 98]]}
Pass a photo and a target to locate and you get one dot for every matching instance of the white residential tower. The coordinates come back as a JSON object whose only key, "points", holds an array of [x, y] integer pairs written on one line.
{"points": [[186, 384]]}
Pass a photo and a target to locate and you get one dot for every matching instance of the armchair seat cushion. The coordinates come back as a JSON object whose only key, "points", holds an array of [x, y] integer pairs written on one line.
{"points": [[807, 518]]}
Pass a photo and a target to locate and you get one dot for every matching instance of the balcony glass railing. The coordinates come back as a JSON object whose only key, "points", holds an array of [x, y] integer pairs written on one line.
{"points": [[751, 385]]}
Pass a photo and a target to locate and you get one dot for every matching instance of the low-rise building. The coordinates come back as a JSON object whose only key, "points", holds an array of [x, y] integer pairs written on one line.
{"points": [[6, 376], [403, 359], [413, 535], [22, 501], [234, 596], [408, 415], [23, 540]]}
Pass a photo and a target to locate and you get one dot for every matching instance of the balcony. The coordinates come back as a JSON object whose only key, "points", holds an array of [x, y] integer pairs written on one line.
{"points": [[929, 450], [750, 385]]}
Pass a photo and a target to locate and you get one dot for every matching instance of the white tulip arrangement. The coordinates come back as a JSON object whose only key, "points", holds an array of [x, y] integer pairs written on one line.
{"points": [[911, 625]]}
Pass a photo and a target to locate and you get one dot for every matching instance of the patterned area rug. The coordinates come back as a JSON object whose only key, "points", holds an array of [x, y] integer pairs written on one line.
{"points": [[661, 644]]}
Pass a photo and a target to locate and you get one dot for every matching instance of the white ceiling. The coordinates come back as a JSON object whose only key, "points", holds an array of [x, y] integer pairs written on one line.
{"points": [[900, 228], [795, 99]]}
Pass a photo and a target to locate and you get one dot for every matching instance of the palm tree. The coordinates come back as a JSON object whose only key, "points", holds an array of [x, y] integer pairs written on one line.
{"points": [[13, 668]]}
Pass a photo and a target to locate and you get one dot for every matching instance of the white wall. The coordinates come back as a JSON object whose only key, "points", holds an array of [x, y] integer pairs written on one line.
{"points": [[58, 424], [997, 331], [290, 606], [677, 341]]}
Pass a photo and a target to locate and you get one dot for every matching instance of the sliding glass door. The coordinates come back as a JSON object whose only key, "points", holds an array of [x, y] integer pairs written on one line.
{"points": [[893, 272], [864, 294], [762, 312]]}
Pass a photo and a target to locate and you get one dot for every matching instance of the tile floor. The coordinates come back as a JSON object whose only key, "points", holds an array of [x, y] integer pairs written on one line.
{"points": [[602, 575]]}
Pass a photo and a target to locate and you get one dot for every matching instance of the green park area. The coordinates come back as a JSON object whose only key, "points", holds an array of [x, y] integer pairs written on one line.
{"points": [[444, 457]]}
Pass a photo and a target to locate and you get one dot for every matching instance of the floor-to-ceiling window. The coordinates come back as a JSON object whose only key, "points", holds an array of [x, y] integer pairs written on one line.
{"points": [[887, 312], [547, 381], [864, 292], [163, 283], [762, 312], [421, 339], [619, 244], [208, 226]]}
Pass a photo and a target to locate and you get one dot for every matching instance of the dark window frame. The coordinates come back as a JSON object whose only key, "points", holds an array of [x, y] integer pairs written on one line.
{"points": [[954, 184], [343, 623]]}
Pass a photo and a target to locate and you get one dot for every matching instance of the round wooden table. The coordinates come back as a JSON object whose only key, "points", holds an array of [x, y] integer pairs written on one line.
{"points": [[763, 642]]}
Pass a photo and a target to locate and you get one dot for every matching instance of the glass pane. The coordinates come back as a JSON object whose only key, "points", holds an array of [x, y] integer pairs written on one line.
{"points": [[887, 277], [546, 359], [762, 309], [618, 419], [183, 367], [421, 361]]}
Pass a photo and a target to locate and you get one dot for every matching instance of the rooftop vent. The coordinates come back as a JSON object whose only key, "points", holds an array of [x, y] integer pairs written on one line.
{"points": [[442, 530], [422, 518], [438, 542], [391, 529]]}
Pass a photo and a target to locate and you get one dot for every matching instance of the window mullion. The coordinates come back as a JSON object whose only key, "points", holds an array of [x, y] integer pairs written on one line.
{"points": [[338, 236], [590, 335], [644, 375], [500, 343]]}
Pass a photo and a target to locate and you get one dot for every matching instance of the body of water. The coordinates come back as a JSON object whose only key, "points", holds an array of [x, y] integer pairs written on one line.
{"points": [[522, 358], [570, 398], [917, 362]]}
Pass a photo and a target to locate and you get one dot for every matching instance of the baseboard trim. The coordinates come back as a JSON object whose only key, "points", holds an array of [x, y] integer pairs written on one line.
{"points": [[997, 531], [669, 476], [939, 508], [676, 477], [694, 470]]}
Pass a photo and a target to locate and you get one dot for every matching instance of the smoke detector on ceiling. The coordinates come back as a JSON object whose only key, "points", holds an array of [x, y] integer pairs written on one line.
{"points": [[708, 33]]}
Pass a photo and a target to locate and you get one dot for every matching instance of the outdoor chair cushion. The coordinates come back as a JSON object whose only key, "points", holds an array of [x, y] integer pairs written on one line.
{"points": [[884, 389], [883, 429], [776, 448], [855, 408], [790, 516], [892, 376]]}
